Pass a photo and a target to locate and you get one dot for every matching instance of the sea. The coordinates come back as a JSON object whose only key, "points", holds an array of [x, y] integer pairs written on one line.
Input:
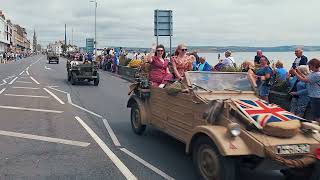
{"points": [[286, 57]]}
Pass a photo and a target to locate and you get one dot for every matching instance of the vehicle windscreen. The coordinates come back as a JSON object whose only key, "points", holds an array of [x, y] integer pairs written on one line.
{"points": [[220, 81]]}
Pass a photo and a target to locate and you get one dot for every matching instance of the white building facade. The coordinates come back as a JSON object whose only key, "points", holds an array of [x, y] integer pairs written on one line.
{"points": [[3, 36]]}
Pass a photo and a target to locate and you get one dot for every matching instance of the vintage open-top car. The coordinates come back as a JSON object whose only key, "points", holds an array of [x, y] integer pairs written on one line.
{"points": [[224, 124]]}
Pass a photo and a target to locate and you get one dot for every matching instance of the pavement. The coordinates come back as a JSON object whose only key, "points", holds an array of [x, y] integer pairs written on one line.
{"points": [[50, 129]]}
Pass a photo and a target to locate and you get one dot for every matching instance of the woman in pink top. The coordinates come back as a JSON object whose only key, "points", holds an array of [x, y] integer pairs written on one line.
{"points": [[182, 62], [159, 73]]}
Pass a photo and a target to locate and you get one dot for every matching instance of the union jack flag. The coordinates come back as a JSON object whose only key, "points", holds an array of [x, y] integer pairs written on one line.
{"points": [[263, 113]]}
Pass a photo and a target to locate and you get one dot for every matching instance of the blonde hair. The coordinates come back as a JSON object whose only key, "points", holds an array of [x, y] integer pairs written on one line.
{"points": [[279, 64], [178, 48], [304, 69], [247, 64]]}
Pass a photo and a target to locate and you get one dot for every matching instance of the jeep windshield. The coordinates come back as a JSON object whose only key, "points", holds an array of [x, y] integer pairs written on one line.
{"points": [[219, 81]]}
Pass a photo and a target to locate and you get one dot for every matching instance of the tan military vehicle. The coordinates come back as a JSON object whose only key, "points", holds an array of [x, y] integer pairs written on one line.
{"points": [[224, 124]]}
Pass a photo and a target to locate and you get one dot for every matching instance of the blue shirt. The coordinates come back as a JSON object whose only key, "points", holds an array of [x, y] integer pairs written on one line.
{"points": [[314, 85], [281, 74], [262, 72]]}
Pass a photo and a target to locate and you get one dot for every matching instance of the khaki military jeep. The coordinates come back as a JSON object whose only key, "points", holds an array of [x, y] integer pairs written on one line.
{"points": [[214, 116]]}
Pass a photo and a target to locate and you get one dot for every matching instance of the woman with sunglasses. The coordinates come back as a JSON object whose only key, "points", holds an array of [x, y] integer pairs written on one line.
{"points": [[182, 62], [159, 73]]}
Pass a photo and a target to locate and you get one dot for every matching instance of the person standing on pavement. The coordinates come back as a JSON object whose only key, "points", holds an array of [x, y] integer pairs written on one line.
{"points": [[300, 58], [299, 93], [313, 85]]}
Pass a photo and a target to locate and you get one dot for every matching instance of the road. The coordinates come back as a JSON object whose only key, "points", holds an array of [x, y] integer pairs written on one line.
{"points": [[50, 129]]}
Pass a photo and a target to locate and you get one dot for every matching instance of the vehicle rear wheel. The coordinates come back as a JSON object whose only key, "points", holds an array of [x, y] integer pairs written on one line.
{"points": [[210, 164], [73, 78], [136, 125], [96, 81]]}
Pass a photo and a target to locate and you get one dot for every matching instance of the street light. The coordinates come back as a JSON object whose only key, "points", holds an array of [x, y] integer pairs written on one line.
{"points": [[95, 27]]}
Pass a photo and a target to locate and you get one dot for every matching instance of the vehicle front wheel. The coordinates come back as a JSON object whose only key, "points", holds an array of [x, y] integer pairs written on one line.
{"points": [[136, 124], [96, 80], [210, 164], [69, 76], [73, 79]]}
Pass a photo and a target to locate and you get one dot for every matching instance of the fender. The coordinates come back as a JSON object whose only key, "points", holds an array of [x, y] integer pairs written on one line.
{"points": [[143, 109], [226, 144]]}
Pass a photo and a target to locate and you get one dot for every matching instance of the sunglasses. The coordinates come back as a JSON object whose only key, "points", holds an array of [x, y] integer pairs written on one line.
{"points": [[159, 50], [184, 49]]}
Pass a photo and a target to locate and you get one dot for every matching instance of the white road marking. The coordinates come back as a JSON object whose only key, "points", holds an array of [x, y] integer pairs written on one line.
{"points": [[124, 170], [22, 95], [84, 109], [2, 90], [27, 72], [111, 133], [54, 96], [13, 80], [21, 73], [24, 77], [44, 138], [9, 77], [52, 87], [47, 68], [4, 82], [14, 87], [148, 165], [26, 82], [30, 109], [34, 80]]}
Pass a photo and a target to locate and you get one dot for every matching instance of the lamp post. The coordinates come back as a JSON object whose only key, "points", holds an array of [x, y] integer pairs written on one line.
{"points": [[95, 27]]}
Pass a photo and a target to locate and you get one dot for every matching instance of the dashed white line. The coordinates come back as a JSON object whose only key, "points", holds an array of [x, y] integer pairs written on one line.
{"points": [[22, 95], [14, 87], [30, 109], [123, 169], [34, 80], [2, 90], [13, 80], [21, 73], [54, 96], [111, 133], [24, 77], [44, 138], [47, 68], [148, 165], [25, 82]]}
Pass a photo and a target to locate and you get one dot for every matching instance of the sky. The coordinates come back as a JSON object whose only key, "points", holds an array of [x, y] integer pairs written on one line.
{"points": [[129, 23]]}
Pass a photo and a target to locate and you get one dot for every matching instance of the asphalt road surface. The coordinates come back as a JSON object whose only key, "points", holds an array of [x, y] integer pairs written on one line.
{"points": [[50, 129]]}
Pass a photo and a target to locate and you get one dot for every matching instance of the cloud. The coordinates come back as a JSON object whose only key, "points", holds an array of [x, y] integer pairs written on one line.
{"points": [[202, 22]]}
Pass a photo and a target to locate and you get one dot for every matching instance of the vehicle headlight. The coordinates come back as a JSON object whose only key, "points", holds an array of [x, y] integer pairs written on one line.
{"points": [[234, 129]]}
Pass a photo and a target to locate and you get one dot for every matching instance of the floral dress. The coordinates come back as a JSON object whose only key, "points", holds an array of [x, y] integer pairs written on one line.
{"points": [[158, 73], [183, 64]]}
